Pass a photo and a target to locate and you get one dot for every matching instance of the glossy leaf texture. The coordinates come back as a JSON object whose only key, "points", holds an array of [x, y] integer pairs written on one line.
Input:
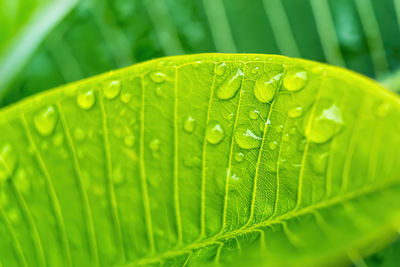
{"points": [[198, 159], [98, 36]]}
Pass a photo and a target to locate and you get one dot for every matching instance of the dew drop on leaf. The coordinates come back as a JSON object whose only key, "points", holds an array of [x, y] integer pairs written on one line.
{"points": [[254, 70], [295, 79], [45, 120], [129, 140], [79, 134], [239, 156], [155, 145], [272, 145], [159, 91], [246, 138], [214, 133], [295, 112], [229, 88], [267, 86], [254, 114], [326, 122], [220, 69], [319, 162], [286, 137], [279, 128], [112, 89], [126, 97], [189, 124], [58, 139], [86, 99], [157, 77], [8, 162]]}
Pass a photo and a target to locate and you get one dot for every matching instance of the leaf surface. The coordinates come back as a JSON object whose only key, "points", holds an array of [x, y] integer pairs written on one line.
{"points": [[196, 159]]}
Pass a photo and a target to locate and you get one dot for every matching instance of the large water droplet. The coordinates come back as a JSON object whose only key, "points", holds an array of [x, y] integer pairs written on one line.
{"points": [[45, 120], [295, 79], [189, 124], [326, 122], [229, 88], [295, 112], [8, 162], [157, 77], [267, 86], [112, 89], [220, 69], [246, 138], [214, 133], [86, 99]]}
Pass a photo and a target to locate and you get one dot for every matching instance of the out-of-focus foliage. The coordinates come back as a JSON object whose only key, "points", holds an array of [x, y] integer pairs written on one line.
{"points": [[201, 159], [101, 35]]}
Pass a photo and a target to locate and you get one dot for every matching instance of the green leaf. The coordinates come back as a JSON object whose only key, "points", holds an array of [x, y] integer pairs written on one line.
{"points": [[196, 159], [98, 36]]}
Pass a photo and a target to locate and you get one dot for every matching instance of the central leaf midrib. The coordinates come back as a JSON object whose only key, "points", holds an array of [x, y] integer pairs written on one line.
{"points": [[268, 222]]}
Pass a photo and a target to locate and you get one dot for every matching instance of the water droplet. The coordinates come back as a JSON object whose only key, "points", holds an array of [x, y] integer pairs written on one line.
{"points": [[112, 89], [126, 97], [159, 91], [273, 145], [8, 162], [117, 175], [235, 177], [292, 131], [189, 124], [155, 145], [295, 79], [267, 86], [214, 133], [220, 69], [129, 140], [86, 99], [22, 182], [229, 116], [254, 114], [239, 156], [326, 122], [246, 138], [295, 112], [285, 137], [79, 134], [254, 70], [58, 139], [279, 128], [319, 161], [229, 88], [196, 64], [157, 77], [45, 121]]}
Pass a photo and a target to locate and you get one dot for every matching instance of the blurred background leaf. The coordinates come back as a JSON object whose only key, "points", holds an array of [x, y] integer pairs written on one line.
{"points": [[46, 43]]}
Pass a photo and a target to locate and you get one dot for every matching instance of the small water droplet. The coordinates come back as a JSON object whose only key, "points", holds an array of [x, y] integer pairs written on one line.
{"points": [[22, 182], [45, 120], [279, 128], [112, 89], [295, 79], [79, 134], [196, 64], [220, 69], [129, 140], [295, 112], [319, 161], [86, 99], [157, 77], [189, 124], [254, 114], [254, 70], [155, 145], [267, 86], [235, 177], [273, 145], [292, 131], [8, 162], [214, 133], [126, 97], [326, 122], [229, 88], [246, 138], [239, 156], [58, 139], [229, 116], [286, 137], [117, 175], [159, 91]]}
